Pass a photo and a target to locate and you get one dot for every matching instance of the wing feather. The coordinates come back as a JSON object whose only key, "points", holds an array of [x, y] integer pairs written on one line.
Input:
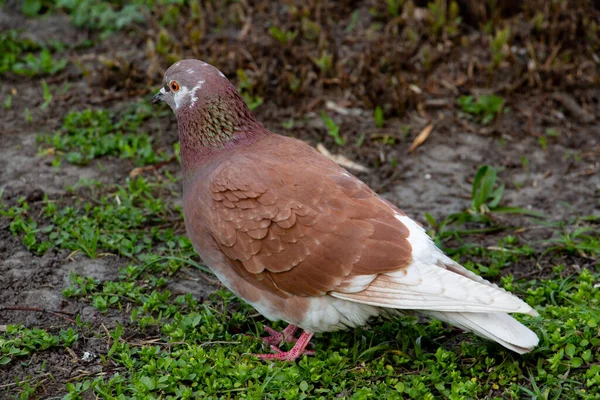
{"points": [[309, 231]]}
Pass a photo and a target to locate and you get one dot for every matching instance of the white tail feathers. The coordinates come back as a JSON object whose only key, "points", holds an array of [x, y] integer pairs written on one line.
{"points": [[499, 327], [449, 292], [435, 285]]}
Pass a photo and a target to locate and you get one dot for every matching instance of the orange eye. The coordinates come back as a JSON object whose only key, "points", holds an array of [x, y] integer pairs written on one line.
{"points": [[174, 86]]}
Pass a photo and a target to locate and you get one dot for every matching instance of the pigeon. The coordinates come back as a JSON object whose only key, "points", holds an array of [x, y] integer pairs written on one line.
{"points": [[302, 240]]}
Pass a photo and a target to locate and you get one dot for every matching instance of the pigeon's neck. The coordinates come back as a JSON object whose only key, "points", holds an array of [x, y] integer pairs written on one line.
{"points": [[219, 124]]}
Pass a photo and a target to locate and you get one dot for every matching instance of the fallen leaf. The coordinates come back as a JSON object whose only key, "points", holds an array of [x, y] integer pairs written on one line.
{"points": [[421, 138], [138, 170]]}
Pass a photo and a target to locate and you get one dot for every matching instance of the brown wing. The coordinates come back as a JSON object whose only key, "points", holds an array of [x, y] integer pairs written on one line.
{"points": [[305, 230]]}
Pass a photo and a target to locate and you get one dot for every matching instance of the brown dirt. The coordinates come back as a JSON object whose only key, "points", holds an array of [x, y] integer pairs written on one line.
{"points": [[435, 178]]}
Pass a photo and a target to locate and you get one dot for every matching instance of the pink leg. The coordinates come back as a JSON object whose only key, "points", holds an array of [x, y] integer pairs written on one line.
{"points": [[276, 339], [292, 354]]}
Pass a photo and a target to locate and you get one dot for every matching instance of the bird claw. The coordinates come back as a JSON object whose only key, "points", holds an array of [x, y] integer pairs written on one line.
{"points": [[281, 355], [274, 339], [277, 350], [278, 338], [290, 355]]}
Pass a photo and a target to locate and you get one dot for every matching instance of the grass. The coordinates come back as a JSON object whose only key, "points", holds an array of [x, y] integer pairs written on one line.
{"points": [[122, 220], [379, 118], [90, 134], [169, 344], [497, 46], [248, 90], [175, 346], [104, 16], [483, 108], [333, 129], [282, 36], [25, 57], [19, 341], [199, 355]]}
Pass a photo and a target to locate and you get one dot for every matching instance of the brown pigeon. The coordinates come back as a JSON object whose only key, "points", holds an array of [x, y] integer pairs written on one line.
{"points": [[304, 241]]}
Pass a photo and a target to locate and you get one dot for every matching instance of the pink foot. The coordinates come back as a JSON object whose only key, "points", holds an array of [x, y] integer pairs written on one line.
{"points": [[276, 339], [295, 352]]}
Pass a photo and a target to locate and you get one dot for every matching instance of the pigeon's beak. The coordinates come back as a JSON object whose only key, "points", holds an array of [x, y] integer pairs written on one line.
{"points": [[159, 97]]}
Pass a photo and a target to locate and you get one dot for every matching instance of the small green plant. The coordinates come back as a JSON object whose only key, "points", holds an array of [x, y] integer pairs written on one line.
{"points": [[104, 16], [394, 7], [28, 229], [89, 134], [289, 124], [17, 57], [551, 132], [310, 29], [497, 44], [43, 64], [580, 236], [76, 390], [324, 62], [47, 95], [19, 341], [31, 8], [333, 129], [444, 18], [353, 21], [7, 102], [360, 140], [379, 119], [27, 115], [282, 36], [486, 195], [548, 134], [247, 89], [486, 192], [485, 108]]}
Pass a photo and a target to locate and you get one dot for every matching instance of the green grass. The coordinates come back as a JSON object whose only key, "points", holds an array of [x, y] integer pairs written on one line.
{"points": [[333, 129], [248, 90], [199, 353], [90, 134], [483, 108], [122, 220], [18, 341], [25, 57], [100, 15], [282, 36], [175, 346]]}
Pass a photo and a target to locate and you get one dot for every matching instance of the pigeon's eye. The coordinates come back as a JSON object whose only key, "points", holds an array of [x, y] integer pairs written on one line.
{"points": [[174, 86]]}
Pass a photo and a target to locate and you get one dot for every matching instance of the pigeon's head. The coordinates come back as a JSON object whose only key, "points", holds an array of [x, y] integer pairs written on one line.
{"points": [[211, 114], [187, 82]]}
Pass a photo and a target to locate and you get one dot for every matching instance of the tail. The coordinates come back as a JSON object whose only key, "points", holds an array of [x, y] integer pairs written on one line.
{"points": [[434, 285], [450, 293], [499, 327]]}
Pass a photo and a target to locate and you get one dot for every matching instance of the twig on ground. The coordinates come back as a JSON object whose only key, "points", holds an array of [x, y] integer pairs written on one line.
{"points": [[575, 109]]}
